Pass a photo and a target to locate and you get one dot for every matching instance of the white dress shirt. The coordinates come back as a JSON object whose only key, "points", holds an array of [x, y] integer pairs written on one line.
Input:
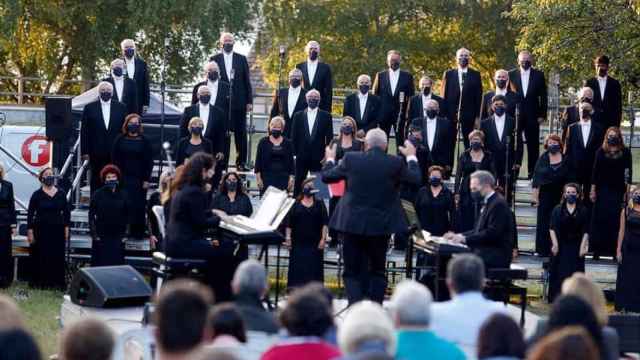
{"points": [[131, 66], [213, 90], [292, 99], [499, 125], [106, 112], [461, 71], [524, 78], [118, 82], [585, 126], [394, 76], [602, 84], [312, 66], [431, 132], [425, 99], [228, 63], [204, 115], [363, 102], [311, 119], [502, 92]]}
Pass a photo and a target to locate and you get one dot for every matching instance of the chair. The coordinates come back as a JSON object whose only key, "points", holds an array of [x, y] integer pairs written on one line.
{"points": [[500, 286]]}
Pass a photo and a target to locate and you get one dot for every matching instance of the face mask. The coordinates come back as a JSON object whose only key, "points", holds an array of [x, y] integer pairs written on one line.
{"points": [[554, 148], [308, 191], [232, 185], [276, 133], [364, 89], [227, 47], [613, 140], [313, 103], [431, 113], [501, 83], [571, 198], [477, 196], [464, 62], [212, 76], [636, 199], [476, 145], [395, 66], [295, 82], [313, 55], [602, 72], [133, 128], [526, 65], [435, 181], [499, 110], [426, 90], [585, 114], [105, 96], [585, 99], [204, 99], [128, 52], [196, 130], [346, 129], [111, 184], [117, 71], [48, 180]]}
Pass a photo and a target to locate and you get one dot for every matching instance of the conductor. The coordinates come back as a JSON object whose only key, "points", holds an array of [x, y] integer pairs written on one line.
{"points": [[366, 221]]}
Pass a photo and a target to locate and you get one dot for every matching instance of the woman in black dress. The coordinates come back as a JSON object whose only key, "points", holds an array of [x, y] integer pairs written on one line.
{"points": [[187, 146], [612, 172], [569, 233], [133, 155], [471, 160], [549, 177], [274, 159], [434, 204], [48, 221], [627, 289], [8, 225], [108, 215], [306, 235]]}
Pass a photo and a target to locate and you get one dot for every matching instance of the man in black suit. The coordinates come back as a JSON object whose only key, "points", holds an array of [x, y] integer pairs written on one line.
{"points": [[218, 89], [234, 65], [433, 136], [102, 122], [607, 94], [370, 210], [465, 81], [418, 104], [584, 138], [124, 89], [502, 140], [136, 69], [531, 87], [317, 75], [311, 131], [502, 88], [492, 237], [363, 107], [571, 114], [394, 87], [288, 101]]}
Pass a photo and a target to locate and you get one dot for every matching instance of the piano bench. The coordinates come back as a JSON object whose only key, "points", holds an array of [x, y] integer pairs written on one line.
{"points": [[500, 286], [167, 268]]}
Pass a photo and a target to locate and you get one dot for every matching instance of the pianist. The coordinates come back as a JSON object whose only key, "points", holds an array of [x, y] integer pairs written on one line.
{"points": [[492, 236]]}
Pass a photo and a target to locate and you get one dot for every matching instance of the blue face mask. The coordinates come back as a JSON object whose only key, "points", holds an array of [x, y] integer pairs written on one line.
{"points": [[435, 181], [636, 199], [196, 130], [212, 76], [571, 198], [111, 184], [499, 110], [117, 71], [49, 180], [105, 96], [204, 99], [554, 148], [128, 52], [308, 191], [346, 129], [313, 103], [133, 128]]}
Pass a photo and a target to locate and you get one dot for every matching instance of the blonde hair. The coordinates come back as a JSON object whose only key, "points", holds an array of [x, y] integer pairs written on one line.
{"points": [[353, 124], [277, 119], [194, 120], [581, 286], [632, 189]]}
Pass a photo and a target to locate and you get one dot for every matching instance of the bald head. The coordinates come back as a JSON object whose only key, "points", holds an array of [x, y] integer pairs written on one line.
{"points": [[463, 56], [313, 50], [502, 79], [226, 41]]}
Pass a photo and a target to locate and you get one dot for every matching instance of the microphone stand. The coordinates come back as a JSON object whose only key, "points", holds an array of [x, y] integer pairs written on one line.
{"points": [[516, 144], [278, 91], [399, 119], [162, 94], [229, 119]]}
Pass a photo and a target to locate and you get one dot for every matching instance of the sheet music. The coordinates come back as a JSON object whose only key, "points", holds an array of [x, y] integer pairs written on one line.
{"points": [[268, 210], [442, 241]]}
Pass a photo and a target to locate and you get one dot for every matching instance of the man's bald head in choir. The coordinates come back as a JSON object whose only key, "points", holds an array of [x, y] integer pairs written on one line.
{"points": [[585, 94], [313, 98], [501, 78], [117, 67], [525, 59], [295, 77], [394, 59], [463, 56], [105, 91], [313, 50], [128, 47]]}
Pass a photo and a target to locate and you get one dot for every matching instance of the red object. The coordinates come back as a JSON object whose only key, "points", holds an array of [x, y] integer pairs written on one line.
{"points": [[305, 350], [35, 151], [337, 189]]}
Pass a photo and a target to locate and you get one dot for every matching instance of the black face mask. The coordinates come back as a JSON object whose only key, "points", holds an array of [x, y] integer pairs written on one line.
{"points": [[571, 198], [526, 65], [395, 65], [431, 113], [49, 180], [435, 181], [602, 72], [308, 191], [232, 185], [476, 145], [133, 128], [227, 47], [105, 96], [613, 140], [111, 184], [585, 99], [554, 148], [313, 103], [313, 55], [295, 82], [196, 130], [213, 76], [128, 52], [426, 90], [346, 129], [364, 89], [117, 71], [204, 99], [276, 133], [477, 196], [501, 83], [463, 62], [585, 114], [499, 110]]}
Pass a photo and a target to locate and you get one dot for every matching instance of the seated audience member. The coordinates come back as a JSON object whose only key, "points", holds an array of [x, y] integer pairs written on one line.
{"points": [[570, 343], [88, 339], [249, 285], [411, 314], [500, 338], [10, 315], [366, 330], [331, 336], [227, 328], [181, 316], [452, 320], [17, 344], [216, 354], [306, 318]]}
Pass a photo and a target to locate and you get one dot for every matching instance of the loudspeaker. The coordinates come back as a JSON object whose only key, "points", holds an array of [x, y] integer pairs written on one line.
{"points": [[57, 117], [109, 287]]}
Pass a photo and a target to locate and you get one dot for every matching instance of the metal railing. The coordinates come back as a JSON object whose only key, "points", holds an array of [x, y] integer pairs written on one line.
{"points": [[77, 178]]}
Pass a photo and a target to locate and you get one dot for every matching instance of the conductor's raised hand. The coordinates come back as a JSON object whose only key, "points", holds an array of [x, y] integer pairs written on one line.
{"points": [[330, 151], [408, 149]]}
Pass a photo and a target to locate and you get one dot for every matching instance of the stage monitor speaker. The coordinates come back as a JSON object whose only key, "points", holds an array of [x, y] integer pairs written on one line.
{"points": [[57, 117], [109, 287]]}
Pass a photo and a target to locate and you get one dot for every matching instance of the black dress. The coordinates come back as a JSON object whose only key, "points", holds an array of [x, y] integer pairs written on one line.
{"points": [[306, 261], [7, 220], [185, 149], [47, 217], [610, 176], [569, 229], [435, 213], [628, 280], [274, 163], [549, 180], [108, 215], [467, 210], [134, 157]]}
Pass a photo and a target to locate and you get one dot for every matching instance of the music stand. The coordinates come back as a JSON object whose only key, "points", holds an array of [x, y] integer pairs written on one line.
{"points": [[414, 230]]}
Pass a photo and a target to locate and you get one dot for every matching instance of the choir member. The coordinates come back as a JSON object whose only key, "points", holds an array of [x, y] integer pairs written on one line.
{"points": [[569, 232], [503, 142], [462, 92], [234, 70], [288, 101], [552, 172], [584, 138], [607, 93], [571, 114], [363, 107], [189, 145], [8, 224], [433, 137], [311, 132], [108, 216], [434, 204], [101, 124], [390, 85], [317, 75], [48, 220], [136, 69], [306, 236], [628, 254], [477, 157], [418, 104], [531, 87], [501, 80], [612, 172], [218, 90], [124, 89], [274, 159]]}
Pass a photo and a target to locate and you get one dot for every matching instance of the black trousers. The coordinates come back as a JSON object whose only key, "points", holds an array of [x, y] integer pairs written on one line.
{"points": [[6, 256], [531, 129], [239, 123], [365, 259]]}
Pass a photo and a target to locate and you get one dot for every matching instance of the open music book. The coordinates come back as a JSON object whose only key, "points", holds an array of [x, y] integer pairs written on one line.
{"points": [[273, 209]]}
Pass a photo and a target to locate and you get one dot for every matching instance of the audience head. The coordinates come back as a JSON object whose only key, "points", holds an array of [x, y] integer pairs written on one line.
{"points": [[411, 305], [585, 95], [465, 273], [213, 353], [313, 50], [394, 59], [231, 182], [365, 328], [295, 77], [313, 98], [227, 41], [376, 138], [128, 47], [204, 94], [105, 91], [571, 310], [276, 126], [613, 140], [602, 65], [501, 79], [571, 193], [581, 286], [364, 83], [463, 56], [10, 315], [482, 183], [88, 339], [117, 68], [199, 169], [426, 84], [476, 139], [225, 319], [553, 144], [17, 344], [250, 280], [525, 60], [500, 336], [570, 343], [181, 315], [211, 71], [348, 127], [306, 314]]}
